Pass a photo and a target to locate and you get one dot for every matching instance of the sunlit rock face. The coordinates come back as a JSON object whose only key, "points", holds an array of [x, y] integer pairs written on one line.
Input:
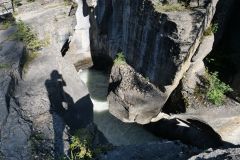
{"points": [[79, 48], [82, 27]]}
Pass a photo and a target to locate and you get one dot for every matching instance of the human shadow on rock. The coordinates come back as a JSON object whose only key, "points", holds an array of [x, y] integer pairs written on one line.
{"points": [[57, 97], [65, 112], [80, 114]]}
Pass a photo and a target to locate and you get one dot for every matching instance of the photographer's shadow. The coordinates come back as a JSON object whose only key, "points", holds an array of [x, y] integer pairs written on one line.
{"points": [[65, 112]]}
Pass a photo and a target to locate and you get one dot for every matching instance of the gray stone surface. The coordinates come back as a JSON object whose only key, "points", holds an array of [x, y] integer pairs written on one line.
{"points": [[49, 87], [157, 45], [132, 98], [46, 97], [165, 150], [14, 129], [219, 154], [79, 48], [15, 134], [32, 112], [6, 7], [197, 68]]}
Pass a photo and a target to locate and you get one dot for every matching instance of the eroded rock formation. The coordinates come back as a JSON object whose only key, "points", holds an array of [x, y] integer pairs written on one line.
{"points": [[158, 45]]}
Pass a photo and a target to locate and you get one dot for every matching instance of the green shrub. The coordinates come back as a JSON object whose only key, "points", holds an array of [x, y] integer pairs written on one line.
{"points": [[68, 2], [25, 34], [30, 39], [4, 66], [216, 89], [159, 7], [213, 28], [30, 0], [5, 25], [120, 58], [81, 145]]}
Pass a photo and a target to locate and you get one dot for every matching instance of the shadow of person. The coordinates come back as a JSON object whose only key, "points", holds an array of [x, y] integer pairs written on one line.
{"points": [[65, 112], [80, 115], [60, 101]]}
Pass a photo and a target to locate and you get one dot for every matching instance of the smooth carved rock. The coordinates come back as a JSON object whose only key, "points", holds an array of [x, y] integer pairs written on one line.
{"points": [[79, 48], [197, 67], [157, 45]]}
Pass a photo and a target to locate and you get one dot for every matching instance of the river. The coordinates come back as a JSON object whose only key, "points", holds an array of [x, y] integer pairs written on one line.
{"points": [[116, 132]]}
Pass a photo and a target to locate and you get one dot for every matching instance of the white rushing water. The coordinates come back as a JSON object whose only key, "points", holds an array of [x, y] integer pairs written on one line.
{"points": [[116, 132]]}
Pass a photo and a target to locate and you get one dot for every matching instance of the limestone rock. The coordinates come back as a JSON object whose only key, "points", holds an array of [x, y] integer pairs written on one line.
{"points": [[157, 45], [50, 84], [132, 97], [219, 154], [14, 128], [79, 48], [197, 67]]}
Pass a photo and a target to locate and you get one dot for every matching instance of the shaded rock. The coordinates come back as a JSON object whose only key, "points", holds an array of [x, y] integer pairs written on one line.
{"points": [[165, 150], [190, 131]]}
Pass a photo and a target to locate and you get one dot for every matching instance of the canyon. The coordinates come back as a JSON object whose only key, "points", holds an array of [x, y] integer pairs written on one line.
{"points": [[144, 106]]}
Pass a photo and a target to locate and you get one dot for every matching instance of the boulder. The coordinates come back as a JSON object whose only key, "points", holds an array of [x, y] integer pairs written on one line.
{"points": [[132, 98]]}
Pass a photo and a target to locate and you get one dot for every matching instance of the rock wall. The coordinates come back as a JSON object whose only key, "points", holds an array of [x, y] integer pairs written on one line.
{"points": [[14, 128], [157, 45], [79, 48]]}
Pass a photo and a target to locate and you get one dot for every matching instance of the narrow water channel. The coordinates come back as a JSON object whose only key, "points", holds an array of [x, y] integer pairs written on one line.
{"points": [[116, 132]]}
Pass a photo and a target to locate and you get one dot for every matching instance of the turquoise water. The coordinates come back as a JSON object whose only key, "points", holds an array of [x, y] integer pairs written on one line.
{"points": [[117, 132]]}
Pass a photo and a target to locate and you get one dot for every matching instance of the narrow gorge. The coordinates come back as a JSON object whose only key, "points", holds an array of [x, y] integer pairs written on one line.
{"points": [[119, 79]]}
